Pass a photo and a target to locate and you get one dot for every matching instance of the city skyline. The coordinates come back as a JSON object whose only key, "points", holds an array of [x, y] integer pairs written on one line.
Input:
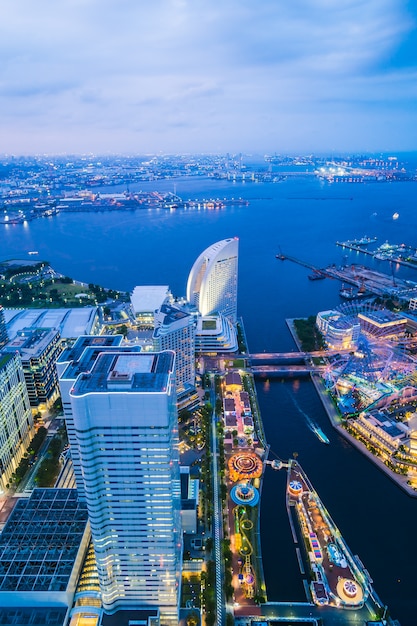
{"points": [[177, 77]]}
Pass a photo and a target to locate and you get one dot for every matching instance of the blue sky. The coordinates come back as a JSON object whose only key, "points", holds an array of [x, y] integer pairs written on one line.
{"points": [[148, 76]]}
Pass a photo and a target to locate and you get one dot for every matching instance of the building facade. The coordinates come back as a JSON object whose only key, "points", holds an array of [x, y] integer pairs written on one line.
{"points": [[71, 363], [340, 332], [39, 349], [3, 328], [175, 330], [16, 421], [125, 421], [212, 283]]}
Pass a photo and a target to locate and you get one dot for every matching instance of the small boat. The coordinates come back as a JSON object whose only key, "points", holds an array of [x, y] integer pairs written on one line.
{"points": [[347, 293], [320, 434], [33, 252]]}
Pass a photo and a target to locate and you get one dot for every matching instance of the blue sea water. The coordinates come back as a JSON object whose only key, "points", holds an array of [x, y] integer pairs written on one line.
{"points": [[304, 218]]}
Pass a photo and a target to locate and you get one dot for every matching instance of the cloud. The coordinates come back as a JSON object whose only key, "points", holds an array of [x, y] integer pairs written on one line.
{"points": [[196, 71]]}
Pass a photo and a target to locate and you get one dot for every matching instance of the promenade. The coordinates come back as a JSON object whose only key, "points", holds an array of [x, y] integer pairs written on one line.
{"points": [[336, 422]]}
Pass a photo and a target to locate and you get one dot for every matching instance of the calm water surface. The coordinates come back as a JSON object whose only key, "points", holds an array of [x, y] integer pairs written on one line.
{"points": [[304, 218]]}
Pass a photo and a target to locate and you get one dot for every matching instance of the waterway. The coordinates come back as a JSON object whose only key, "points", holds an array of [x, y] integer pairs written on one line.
{"points": [[304, 218]]}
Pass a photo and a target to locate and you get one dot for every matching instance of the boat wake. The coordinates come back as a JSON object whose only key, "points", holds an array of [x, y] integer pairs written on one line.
{"points": [[321, 436]]}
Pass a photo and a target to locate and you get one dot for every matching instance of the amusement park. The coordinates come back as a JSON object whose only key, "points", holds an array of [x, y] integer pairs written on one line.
{"points": [[372, 381]]}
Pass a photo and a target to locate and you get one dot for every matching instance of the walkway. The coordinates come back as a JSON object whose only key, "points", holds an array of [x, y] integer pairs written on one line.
{"points": [[217, 519]]}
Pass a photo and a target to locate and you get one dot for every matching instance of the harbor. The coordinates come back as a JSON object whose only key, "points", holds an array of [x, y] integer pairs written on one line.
{"points": [[394, 253], [368, 282]]}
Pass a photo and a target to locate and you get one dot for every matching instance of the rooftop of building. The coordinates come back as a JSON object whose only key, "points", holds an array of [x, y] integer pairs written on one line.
{"points": [[382, 316], [32, 341], [22, 616], [344, 322], [40, 541], [71, 323], [74, 352], [89, 357], [148, 298], [127, 371], [168, 314], [233, 378]]}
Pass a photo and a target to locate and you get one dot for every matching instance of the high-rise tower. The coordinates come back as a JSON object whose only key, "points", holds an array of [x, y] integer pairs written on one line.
{"points": [[3, 329], [175, 330], [16, 421], [125, 421], [212, 283]]}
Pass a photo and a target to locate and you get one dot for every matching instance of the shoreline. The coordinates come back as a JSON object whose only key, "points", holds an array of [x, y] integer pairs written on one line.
{"points": [[334, 420]]}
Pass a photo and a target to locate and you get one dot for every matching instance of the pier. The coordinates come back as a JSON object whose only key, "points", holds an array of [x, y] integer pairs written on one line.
{"points": [[364, 278]]}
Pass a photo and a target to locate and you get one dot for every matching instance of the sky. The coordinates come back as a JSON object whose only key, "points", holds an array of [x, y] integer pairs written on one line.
{"points": [[213, 76]]}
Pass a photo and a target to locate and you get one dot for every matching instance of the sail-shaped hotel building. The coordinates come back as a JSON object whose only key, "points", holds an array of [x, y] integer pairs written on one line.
{"points": [[212, 283]]}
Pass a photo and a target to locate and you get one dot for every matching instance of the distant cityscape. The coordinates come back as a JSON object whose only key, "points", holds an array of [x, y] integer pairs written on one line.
{"points": [[32, 187]]}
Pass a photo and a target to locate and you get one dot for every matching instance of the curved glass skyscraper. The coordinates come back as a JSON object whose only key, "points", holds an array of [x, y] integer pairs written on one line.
{"points": [[212, 283]]}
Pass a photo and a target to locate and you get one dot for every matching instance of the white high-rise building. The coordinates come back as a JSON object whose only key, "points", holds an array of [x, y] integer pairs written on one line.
{"points": [[71, 363], [125, 421], [3, 328], [212, 283], [16, 421], [175, 330]]}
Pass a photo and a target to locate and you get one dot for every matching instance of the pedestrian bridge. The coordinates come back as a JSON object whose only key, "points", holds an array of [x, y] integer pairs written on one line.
{"points": [[284, 371]]}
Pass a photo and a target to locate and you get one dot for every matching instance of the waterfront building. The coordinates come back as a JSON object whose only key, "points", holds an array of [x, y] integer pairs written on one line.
{"points": [[39, 349], [340, 332], [4, 338], [71, 323], [16, 421], [74, 360], [212, 283], [125, 421], [175, 330], [382, 431], [382, 323], [146, 300], [215, 334], [42, 547]]}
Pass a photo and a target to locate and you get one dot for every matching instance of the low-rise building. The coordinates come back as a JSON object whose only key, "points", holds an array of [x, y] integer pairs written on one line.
{"points": [[215, 334], [382, 323], [146, 300], [42, 547], [340, 332]]}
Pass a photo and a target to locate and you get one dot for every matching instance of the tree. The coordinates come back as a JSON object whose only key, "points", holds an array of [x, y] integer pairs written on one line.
{"points": [[209, 544]]}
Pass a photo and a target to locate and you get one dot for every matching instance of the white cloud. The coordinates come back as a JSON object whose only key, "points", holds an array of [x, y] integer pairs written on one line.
{"points": [[181, 71]]}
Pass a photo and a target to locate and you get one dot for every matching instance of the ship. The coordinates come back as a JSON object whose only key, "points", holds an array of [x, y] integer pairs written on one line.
{"points": [[363, 241], [316, 275], [347, 293]]}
